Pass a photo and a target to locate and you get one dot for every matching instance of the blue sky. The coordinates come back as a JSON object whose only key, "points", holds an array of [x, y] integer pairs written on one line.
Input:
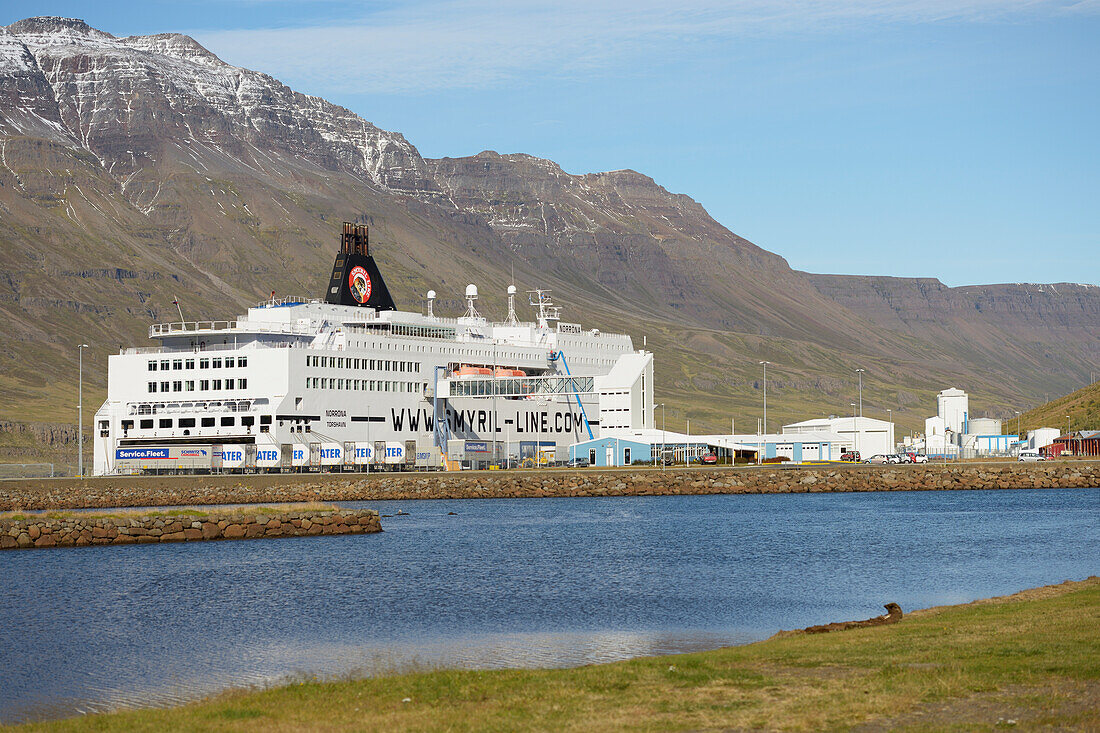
{"points": [[955, 139]]}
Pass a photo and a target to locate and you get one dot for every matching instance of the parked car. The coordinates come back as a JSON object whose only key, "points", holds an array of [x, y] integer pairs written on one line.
{"points": [[851, 456], [1028, 456], [710, 459], [919, 458], [880, 459], [577, 462]]}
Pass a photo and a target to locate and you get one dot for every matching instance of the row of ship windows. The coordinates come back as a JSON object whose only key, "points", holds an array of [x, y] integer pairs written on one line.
{"points": [[369, 385], [188, 385], [346, 362], [247, 421], [206, 363]]}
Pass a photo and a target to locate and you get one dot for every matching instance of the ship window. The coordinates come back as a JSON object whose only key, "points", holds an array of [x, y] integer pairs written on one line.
{"points": [[164, 365], [248, 421], [208, 422], [204, 384], [217, 364], [146, 424], [228, 422], [165, 422], [164, 386], [177, 364], [187, 422], [190, 385], [204, 363], [127, 424], [229, 362], [229, 384], [217, 384], [177, 386], [242, 361], [152, 387], [152, 366], [265, 428], [189, 364]]}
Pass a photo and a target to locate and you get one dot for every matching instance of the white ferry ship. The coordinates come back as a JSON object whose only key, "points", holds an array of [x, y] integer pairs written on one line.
{"points": [[352, 383]]}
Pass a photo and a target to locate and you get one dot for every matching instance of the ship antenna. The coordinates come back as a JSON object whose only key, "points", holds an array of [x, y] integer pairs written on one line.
{"points": [[547, 311], [512, 319], [176, 302], [471, 296], [431, 302]]}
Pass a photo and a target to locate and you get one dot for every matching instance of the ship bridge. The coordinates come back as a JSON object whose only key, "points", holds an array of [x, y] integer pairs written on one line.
{"points": [[515, 386]]}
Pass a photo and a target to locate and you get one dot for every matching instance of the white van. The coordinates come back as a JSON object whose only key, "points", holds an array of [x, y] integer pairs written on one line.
{"points": [[1030, 455]]}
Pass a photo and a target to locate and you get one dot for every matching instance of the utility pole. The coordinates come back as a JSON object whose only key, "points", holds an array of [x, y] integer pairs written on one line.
{"points": [[80, 411], [765, 365]]}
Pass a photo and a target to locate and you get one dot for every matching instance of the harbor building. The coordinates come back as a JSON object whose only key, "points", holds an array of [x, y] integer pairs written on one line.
{"points": [[867, 435], [623, 447]]}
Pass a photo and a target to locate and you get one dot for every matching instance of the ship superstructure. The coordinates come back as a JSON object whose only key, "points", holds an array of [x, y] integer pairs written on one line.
{"points": [[352, 382]]}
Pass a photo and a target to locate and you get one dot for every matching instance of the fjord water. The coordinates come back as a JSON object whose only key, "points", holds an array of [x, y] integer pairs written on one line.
{"points": [[509, 582]]}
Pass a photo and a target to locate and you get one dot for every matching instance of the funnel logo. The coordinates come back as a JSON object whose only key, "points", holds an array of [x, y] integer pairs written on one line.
{"points": [[359, 282]]}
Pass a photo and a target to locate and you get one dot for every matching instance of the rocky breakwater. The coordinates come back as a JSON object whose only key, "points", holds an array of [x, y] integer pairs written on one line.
{"points": [[200, 490], [57, 529]]}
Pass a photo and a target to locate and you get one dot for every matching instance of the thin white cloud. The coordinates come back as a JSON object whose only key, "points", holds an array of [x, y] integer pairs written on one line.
{"points": [[483, 43]]}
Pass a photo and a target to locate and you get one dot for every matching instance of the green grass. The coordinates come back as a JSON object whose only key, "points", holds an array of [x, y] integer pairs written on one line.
{"points": [[1082, 406], [1033, 658]]}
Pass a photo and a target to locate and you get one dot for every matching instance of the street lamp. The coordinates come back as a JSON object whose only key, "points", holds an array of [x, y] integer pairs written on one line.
{"points": [[80, 411], [855, 435], [765, 365], [662, 406], [860, 373]]}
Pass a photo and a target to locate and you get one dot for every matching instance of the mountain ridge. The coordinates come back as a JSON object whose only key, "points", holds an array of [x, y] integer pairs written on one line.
{"points": [[139, 170]]}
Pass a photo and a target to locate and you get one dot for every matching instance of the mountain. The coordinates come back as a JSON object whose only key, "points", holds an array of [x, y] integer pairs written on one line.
{"points": [[142, 170]]}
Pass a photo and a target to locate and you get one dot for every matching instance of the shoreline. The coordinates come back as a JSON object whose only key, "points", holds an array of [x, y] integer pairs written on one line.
{"points": [[150, 491], [1026, 657]]}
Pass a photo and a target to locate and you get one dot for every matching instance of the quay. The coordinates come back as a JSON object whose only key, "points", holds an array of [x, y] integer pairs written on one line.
{"points": [[136, 491]]}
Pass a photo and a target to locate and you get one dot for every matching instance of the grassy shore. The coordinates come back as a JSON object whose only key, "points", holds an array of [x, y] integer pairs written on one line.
{"points": [[1019, 662]]}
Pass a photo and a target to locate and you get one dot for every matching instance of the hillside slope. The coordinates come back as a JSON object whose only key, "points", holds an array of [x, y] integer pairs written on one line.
{"points": [[137, 171], [1082, 407]]}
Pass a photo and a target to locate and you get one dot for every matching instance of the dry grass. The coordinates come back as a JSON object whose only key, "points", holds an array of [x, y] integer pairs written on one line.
{"points": [[1032, 658]]}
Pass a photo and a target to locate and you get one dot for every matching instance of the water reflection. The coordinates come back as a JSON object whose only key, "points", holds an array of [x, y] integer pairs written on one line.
{"points": [[508, 583]]}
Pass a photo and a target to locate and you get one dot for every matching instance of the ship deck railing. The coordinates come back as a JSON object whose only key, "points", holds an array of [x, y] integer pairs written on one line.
{"points": [[216, 347], [179, 328]]}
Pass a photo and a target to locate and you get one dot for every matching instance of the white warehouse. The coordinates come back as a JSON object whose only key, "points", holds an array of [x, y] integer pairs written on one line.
{"points": [[864, 434]]}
